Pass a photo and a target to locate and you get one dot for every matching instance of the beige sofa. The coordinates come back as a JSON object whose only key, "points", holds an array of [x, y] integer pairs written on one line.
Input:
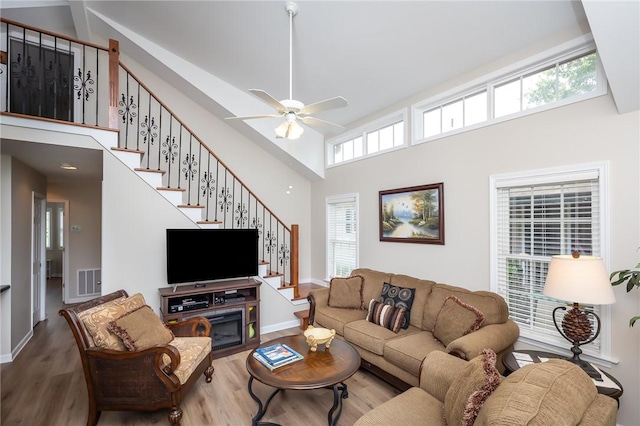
{"points": [[453, 391], [397, 357]]}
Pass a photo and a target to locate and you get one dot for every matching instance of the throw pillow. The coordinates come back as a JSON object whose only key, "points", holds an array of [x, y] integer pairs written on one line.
{"points": [[471, 387], [399, 297], [480, 395], [456, 319], [97, 323], [346, 292], [141, 329], [388, 316]]}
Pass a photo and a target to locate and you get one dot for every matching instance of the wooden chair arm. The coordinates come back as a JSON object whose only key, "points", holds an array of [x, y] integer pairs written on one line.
{"points": [[193, 327]]}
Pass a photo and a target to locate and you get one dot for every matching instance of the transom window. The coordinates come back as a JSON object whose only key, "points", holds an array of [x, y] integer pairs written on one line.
{"points": [[565, 78], [381, 136]]}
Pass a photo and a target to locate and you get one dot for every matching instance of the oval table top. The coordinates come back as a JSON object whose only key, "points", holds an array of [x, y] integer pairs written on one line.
{"points": [[320, 369]]}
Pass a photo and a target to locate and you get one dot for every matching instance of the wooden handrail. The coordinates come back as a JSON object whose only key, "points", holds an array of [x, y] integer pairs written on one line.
{"points": [[205, 146], [57, 35]]}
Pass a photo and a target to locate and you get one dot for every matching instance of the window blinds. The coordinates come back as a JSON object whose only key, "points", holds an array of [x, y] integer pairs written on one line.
{"points": [[536, 221], [342, 236]]}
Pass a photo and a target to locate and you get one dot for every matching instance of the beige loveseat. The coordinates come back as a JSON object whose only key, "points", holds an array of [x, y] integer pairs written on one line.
{"points": [[397, 357], [453, 391]]}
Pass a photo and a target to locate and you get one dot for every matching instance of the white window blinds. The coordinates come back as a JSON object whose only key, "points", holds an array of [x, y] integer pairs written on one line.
{"points": [[536, 218], [342, 235]]}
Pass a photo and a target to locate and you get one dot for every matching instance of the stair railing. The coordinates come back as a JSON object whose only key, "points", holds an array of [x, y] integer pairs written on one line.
{"points": [[51, 76]]}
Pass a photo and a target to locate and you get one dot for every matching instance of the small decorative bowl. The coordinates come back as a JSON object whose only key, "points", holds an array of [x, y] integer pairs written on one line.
{"points": [[319, 336]]}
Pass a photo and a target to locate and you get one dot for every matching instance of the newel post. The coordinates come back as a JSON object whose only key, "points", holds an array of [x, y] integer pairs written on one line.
{"points": [[294, 260], [114, 68]]}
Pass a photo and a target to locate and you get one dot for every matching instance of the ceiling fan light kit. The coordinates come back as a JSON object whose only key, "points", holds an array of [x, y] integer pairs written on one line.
{"points": [[290, 109]]}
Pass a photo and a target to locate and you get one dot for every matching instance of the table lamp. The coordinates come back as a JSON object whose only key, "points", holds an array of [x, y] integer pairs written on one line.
{"points": [[579, 280]]}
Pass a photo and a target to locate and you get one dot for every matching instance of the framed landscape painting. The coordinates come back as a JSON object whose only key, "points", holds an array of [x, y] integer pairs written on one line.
{"points": [[413, 215]]}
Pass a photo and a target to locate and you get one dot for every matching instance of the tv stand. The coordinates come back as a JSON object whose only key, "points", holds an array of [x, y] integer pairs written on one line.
{"points": [[205, 299]]}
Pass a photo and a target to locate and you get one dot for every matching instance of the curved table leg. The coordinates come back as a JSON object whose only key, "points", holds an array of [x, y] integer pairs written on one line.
{"points": [[261, 409], [337, 403]]}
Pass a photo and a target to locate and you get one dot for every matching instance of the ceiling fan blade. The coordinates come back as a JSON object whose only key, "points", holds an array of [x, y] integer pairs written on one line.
{"points": [[249, 117], [316, 122], [269, 99], [337, 102]]}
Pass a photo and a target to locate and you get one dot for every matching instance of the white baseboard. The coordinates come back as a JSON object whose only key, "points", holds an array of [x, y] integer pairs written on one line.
{"points": [[280, 326], [4, 358]]}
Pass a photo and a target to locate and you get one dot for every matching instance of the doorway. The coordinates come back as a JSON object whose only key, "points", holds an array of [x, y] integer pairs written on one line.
{"points": [[57, 237]]}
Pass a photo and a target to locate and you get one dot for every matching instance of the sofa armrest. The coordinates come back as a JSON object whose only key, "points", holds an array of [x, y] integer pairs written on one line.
{"points": [[318, 297], [193, 327], [437, 372], [602, 412], [496, 337]]}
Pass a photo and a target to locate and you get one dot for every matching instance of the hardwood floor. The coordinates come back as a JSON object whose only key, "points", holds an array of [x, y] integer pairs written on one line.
{"points": [[44, 385]]}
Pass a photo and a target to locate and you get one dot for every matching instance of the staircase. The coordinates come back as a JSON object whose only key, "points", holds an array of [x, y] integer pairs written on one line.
{"points": [[153, 142]]}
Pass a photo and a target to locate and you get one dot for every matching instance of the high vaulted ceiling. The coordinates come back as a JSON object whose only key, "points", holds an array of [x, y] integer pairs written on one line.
{"points": [[373, 53]]}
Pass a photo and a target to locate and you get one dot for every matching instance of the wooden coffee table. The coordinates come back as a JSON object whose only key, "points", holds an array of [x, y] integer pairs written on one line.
{"points": [[325, 368]]}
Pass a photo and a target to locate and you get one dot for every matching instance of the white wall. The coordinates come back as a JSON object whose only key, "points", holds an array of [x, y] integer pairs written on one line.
{"points": [[584, 132], [5, 257], [21, 182]]}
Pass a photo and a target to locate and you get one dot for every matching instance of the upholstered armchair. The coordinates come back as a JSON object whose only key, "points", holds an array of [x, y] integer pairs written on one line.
{"points": [[131, 361]]}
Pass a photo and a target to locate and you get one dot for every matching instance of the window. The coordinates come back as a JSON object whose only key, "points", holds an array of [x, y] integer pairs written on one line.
{"points": [[60, 227], [563, 80], [380, 136], [47, 228], [342, 235], [552, 79], [466, 111], [535, 216]]}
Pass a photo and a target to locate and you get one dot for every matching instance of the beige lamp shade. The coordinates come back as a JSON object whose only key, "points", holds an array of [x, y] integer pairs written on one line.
{"points": [[581, 280]]}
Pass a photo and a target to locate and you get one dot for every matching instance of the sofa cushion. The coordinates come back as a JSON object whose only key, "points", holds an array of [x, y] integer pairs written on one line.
{"points": [[386, 315], [398, 297], [409, 351], [192, 351], [373, 281], [412, 407], [475, 382], [141, 329], [336, 318], [97, 323], [555, 392], [372, 337], [492, 305], [456, 319], [346, 292]]}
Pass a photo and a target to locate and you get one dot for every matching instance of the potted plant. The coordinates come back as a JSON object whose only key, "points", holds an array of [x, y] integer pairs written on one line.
{"points": [[632, 278]]}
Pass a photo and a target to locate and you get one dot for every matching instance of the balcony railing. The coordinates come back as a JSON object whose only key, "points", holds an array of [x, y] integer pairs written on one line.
{"points": [[51, 76]]}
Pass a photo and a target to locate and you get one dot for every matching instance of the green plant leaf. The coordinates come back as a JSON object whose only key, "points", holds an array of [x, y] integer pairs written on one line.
{"points": [[622, 276]]}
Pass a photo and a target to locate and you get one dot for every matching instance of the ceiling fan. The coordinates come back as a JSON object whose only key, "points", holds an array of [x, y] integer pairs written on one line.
{"points": [[290, 109]]}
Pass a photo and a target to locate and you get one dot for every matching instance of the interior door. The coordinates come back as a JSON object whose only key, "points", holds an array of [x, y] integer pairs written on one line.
{"points": [[38, 252]]}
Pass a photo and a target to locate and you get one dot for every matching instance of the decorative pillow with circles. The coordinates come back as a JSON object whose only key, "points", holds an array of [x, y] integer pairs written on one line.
{"points": [[398, 297]]}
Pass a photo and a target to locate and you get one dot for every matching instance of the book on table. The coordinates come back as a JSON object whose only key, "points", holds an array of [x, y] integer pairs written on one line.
{"points": [[276, 355]]}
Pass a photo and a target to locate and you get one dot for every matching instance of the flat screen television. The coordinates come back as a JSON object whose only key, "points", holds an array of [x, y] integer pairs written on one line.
{"points": [[197, 255]]}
